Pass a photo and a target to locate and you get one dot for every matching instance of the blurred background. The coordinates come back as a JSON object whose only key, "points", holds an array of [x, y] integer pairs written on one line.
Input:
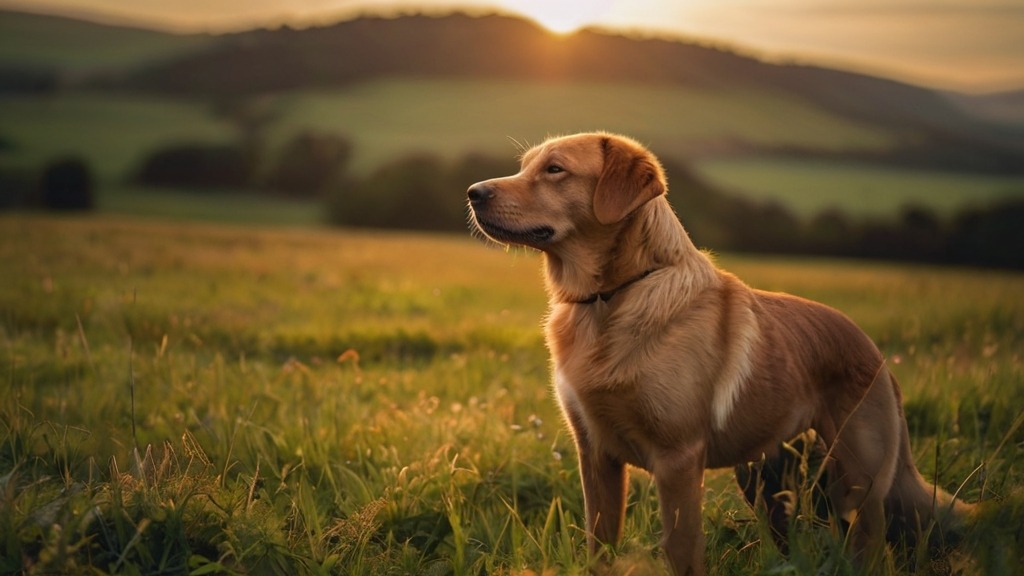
{"points": [[890, 130]]}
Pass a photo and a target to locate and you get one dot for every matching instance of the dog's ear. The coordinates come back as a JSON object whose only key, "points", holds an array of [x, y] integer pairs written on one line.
{"points": [[631, 177]]}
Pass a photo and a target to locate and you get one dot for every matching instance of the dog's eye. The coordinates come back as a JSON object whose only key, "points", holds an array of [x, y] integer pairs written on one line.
{"points": [[555, 169]]}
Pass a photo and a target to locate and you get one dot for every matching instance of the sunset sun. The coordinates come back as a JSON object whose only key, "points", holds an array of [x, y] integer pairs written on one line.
{"points": [[560, 17]]}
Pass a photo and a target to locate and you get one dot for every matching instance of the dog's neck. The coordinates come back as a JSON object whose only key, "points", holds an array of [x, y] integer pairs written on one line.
{"points": [[585, 270]]}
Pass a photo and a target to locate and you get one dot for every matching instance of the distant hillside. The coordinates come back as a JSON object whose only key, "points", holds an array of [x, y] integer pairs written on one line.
{"points": [[936, 131], [456, 45], [1000, 107], [71, 47], [503, 47]]}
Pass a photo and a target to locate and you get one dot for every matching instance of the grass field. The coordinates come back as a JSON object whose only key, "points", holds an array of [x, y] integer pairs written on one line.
{"points": [[391, 118], [810, 186], [454, 117], [210, 206], [315, 402], [113, 133], [73, 48]]}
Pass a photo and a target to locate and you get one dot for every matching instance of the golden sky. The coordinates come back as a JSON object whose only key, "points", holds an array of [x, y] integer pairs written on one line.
{"points": [[969, 45]]}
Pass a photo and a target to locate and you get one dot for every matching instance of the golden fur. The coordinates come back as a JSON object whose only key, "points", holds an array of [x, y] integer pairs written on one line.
{"points": [[664, 362]]}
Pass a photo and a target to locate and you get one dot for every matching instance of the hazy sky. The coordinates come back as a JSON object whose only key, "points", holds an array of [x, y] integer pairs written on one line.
{"points": [[972, 45]]}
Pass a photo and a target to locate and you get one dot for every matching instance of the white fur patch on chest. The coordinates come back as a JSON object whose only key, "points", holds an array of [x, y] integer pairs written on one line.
{"points": [[572, 406], [567, 396], [738, 364]]}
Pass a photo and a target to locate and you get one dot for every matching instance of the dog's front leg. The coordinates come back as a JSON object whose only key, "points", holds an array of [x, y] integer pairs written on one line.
{"points": [[604, 496], [680, 481]]}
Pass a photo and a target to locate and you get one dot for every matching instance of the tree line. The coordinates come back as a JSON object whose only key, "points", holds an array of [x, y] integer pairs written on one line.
{"points": [[425, 192], [985, 236]]}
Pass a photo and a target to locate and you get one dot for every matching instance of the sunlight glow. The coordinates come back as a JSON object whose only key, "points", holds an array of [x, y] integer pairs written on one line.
{"points": [[560, 17], [981, 48]]}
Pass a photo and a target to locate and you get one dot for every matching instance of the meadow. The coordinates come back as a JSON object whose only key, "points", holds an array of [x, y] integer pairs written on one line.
{"points": [[808, 187], [389, 119], [449, 117], [73, 47], [205, 399]]}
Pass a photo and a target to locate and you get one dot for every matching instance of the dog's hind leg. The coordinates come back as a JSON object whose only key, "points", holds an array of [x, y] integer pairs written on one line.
{"points": [[762, 484], [864, 448], [787, 482]]}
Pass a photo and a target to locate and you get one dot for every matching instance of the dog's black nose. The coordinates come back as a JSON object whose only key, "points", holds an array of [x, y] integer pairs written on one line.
{"points": [[479, 194]]}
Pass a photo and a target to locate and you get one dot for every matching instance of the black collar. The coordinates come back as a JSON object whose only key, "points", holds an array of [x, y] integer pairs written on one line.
{"points": [[606, 296]]}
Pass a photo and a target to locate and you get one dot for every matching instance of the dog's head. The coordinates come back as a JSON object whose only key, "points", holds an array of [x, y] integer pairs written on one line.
{"points": [[567, 187]]}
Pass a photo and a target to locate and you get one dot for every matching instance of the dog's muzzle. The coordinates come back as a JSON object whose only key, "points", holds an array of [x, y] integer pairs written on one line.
{"points": [[480, 197]]}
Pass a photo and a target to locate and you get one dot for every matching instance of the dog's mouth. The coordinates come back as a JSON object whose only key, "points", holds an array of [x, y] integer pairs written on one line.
{"points": [[537, 236]]}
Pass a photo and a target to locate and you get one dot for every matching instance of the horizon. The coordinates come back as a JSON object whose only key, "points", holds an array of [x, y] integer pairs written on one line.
{"points": [[986, 60]]}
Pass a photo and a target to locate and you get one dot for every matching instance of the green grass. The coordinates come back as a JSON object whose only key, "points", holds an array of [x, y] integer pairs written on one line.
{"points": [[390, 118], [309, 401], [454, 117], [210, 206], [114, 133], [450, 118], [73, 47], [810, 186]]}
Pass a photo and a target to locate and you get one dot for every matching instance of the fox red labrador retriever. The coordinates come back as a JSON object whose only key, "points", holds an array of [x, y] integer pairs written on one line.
{"points": [[664, 362]]}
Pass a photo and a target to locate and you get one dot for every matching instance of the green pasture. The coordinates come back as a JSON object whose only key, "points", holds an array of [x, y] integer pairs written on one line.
{"points": [[810, 186], [114, 133], [210, 206], [192, 398], [451, 118], [73, 48], [454, 117]]}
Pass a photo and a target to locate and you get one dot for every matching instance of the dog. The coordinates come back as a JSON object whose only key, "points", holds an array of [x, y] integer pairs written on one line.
{"points": [[664, 362]]}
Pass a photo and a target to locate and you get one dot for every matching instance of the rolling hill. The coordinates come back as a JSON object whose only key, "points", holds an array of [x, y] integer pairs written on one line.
{"points": [[772, 136], [494, 46], [73, 49], [926, 129], [936, 132]]}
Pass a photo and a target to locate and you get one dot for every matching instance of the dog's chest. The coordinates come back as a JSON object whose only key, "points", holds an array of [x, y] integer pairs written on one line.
{"points": [[628, 422], [625, 405]]}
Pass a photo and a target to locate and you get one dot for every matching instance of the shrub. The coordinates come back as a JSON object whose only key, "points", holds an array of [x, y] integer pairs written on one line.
{"points": [[989, 237], [418, 192], [308, 163], [67, 184], [198, 165]]}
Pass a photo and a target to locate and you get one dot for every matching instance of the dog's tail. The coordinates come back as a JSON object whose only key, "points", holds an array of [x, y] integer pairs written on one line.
{"points": [[918, 510]]}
